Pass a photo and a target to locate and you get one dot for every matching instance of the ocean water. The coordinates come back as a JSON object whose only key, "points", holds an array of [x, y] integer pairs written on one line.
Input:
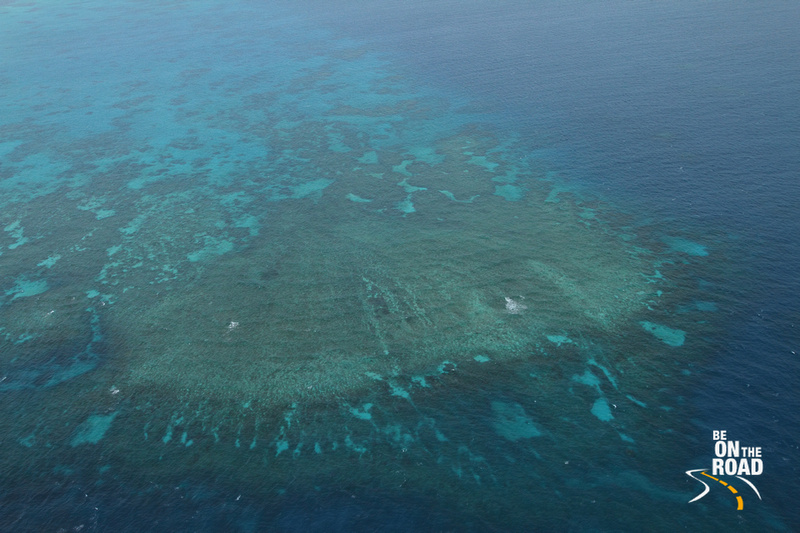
{"points": [[441, 266]]}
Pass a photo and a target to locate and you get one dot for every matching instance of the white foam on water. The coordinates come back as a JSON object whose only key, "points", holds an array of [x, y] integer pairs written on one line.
{"points": [[514, 307]]}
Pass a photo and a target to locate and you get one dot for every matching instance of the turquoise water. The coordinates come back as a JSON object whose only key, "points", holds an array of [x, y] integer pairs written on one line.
{"points": [[440, 267]]}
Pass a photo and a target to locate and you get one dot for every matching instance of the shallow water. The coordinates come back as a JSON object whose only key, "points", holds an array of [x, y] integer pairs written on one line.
{"points": [[411, 267]]}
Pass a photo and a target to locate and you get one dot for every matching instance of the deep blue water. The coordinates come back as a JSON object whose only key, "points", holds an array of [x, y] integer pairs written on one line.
{"points": [[262, 265]]}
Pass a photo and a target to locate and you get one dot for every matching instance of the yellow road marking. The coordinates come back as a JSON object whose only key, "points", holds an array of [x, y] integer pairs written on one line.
{"points": [[740, 505]]}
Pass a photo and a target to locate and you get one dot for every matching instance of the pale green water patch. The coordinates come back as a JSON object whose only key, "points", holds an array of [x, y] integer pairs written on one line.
{"points": [[511, 193], [706, 306], [401, 168], [50, 261], [552, 197], [601, 410], [587, 378], [482, 161], [426, 154], [510, 176], [249, 222], [25, 288], [308, 189], [362, 413], [512, 422], [336, 145], [634, 400], [669, 336], [420, 380], [679, 244], [25, 337], [406, 206], [605, 371], [6, 147], [355, 198], [558, 340], [452, 197], [16, 231], [93, 429], [214, 247], [410, 188], [399, 391], [369, 158]]}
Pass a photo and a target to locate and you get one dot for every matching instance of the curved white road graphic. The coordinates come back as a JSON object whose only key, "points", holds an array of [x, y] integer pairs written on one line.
{"points": [[707, 488]]}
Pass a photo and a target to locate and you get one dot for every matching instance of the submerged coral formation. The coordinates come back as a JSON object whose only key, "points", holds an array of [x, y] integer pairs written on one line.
{"points": [[305, 263]]}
